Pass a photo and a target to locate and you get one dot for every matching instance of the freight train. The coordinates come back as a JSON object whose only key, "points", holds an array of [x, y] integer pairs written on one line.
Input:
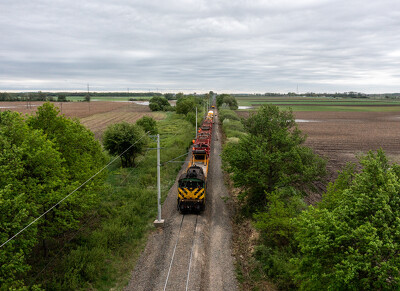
{"points": [[192, 184]]}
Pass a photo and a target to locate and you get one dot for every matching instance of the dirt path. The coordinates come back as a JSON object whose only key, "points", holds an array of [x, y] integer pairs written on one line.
{"points": [[193, 252]]}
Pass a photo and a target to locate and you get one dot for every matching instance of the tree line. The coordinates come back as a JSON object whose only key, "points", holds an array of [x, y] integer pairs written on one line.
{"points": [[43, 158], [348, 241]]}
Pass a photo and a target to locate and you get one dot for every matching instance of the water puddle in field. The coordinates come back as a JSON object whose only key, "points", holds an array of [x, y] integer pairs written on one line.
{"points": [[141, 102], [245, 107], [5, 107], [305, 120]]}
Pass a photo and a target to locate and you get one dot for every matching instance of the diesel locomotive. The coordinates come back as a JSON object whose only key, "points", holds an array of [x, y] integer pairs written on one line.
{"points": [[192, 184]]}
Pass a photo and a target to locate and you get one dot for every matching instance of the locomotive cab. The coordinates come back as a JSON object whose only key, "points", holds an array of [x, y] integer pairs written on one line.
{"points": [[191, 190]]}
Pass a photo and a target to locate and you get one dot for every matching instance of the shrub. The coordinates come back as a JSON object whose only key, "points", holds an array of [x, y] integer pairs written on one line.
{"points": [[159, 103], [227, 114], [148, 124], [127, 140]]}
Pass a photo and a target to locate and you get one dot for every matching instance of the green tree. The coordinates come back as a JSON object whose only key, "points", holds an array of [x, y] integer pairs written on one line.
{"points": [[41, 96], [179, 95], [81, 156], [32, 177], [159, 103], [352, 241], [271, 157], [62, 98], [148, 124], [276, 222], [126, 139], [5, 96], [169, 96], [87, 97], [185, 105], [228, 100]]}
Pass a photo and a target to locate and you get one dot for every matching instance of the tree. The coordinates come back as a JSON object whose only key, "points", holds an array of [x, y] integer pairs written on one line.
{"points": [[352, 240], [185, 105], [62, 98], [5, 96], [227, 99], [41, 96], [271, 157], [32, 177], [87, 97], [148, 124], [159, 103], [179, 95], [169, 96], [81, 156], [125, 139]]}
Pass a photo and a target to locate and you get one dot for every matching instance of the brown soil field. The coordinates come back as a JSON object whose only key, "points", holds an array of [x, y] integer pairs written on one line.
{"points": [[342, 136], [95, 115]]}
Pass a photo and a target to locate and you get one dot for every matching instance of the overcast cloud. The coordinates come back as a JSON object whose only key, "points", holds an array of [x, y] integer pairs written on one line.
{"points": [[200, 45]]}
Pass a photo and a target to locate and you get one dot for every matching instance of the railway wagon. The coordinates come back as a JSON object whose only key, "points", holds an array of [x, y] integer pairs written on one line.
{"points": [[192, 184]]}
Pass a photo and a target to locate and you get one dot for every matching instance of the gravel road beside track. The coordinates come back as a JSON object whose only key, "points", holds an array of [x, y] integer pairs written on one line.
{"points": [[208, 247]]}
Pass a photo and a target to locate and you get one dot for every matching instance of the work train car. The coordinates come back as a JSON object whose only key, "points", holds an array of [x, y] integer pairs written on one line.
{"points": [[193, 183]]}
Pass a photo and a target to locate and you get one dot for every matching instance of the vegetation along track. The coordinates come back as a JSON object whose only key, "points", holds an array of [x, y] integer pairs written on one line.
{"points": [[202, 259]]}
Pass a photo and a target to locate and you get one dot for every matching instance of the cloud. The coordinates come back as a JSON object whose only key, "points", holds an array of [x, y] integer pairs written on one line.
{"points": [[253, 46]]}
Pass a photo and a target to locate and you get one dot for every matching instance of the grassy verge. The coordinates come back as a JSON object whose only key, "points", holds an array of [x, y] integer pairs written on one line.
{"points": [[103, 253]]}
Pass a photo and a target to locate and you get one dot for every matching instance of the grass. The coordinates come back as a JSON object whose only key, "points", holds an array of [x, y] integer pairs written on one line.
{"points": [[103, 255]]}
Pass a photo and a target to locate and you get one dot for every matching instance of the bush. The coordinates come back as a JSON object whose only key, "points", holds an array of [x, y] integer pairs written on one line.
{"points": [[191, 117], [148, 124], [227, 114], [275, 223], [127, 140], [159, 103], [277, 265], [233, 125]]}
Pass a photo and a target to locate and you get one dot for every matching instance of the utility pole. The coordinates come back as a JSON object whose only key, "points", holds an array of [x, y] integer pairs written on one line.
{"points": [[196, 122], [158, 222]]}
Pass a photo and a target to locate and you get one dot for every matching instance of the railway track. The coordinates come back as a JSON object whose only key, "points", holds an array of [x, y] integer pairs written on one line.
{"points": [[178, 276]]}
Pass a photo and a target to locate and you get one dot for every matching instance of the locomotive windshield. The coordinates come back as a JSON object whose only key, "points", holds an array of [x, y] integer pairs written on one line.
{"points": [[186, 183]]}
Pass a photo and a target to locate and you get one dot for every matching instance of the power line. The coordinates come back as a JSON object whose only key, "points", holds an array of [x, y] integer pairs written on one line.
{"points": [[47, 211], [65, 244], [175, 159]]}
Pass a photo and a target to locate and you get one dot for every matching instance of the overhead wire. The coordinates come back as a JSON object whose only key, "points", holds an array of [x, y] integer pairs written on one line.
{"points": [[84, 183]]}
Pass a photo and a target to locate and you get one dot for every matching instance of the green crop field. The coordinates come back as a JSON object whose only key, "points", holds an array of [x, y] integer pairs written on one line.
{"points": [[323, 104]]}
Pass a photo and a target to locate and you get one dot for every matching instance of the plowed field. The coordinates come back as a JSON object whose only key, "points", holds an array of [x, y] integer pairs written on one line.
{"points": [[341, 136], [94, 115]]}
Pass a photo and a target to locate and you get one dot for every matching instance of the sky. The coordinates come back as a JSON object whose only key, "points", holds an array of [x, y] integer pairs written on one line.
{"points": [[200, 45]]}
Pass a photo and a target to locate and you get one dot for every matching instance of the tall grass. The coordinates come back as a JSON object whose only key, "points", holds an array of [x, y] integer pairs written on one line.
{"points": [[104, 252], [231, 124]]}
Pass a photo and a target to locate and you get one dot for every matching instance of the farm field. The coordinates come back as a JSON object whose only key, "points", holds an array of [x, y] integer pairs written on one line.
{"points": [[341, 136], [108, 98], [94, 115], [323, 104]]}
